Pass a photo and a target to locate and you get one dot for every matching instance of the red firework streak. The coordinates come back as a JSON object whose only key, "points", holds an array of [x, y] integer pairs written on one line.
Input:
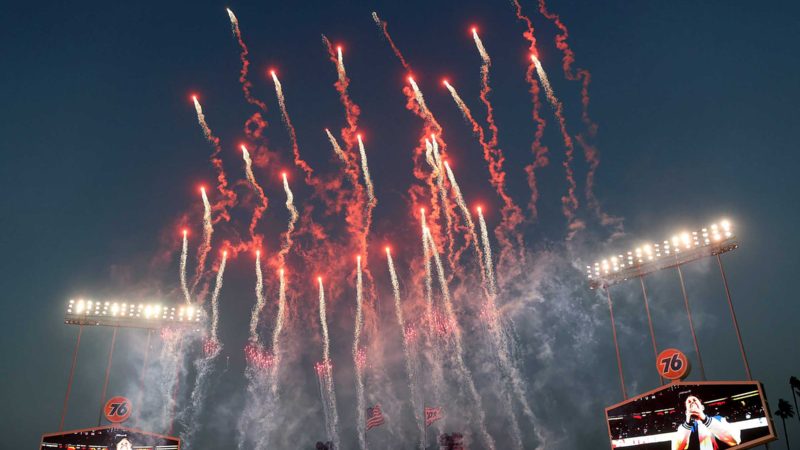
{"points": [[569, 202], [246, 84], [431, 127], [258, 210], [298, 161], [512, 215], [590, 153], [539, 150], [382, 25]]}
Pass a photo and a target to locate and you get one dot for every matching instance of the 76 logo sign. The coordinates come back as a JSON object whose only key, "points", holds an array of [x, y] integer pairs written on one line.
{"points": [[117, 409], [672, 364]]}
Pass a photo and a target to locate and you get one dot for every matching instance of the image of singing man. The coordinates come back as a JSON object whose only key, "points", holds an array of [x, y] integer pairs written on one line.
{"points": [[702, 432]]}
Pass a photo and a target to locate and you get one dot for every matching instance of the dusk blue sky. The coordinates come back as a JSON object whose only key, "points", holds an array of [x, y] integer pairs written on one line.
{"points": [[697, 106]]}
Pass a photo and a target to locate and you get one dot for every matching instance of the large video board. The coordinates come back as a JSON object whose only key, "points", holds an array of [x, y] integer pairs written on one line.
{"points": [[692, 416], [109, 437]]}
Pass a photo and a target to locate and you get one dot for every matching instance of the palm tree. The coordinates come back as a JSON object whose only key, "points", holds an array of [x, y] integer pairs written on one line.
{"points": [[785, 411], [794, 383]]}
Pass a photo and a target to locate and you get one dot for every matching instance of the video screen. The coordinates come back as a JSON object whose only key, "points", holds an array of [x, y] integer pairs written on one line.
{"points": [[692, 416], [110, 438]]}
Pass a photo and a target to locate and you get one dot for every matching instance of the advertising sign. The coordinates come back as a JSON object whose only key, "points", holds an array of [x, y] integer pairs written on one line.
{"points": [[693, 416], [672, 364], [117, 409]]}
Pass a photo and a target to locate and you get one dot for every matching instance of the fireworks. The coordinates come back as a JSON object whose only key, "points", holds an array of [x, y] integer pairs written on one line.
{"points": [[487, 254], [286, 245], [258, 211], [205, 245], [569, 202], [276, 332], [215, 298], [246, 85], [464, 372], [260, 302], [201, 119], [359, 356], [258, 358], [287, 121], [367, 178], [184, 257]]}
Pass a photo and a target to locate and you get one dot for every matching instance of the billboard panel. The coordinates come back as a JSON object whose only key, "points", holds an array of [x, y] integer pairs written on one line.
{"points": [[692, 416]]}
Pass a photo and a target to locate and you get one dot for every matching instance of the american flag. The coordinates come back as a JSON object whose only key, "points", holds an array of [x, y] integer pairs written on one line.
{"points": [[374, 417], [432, 415]]}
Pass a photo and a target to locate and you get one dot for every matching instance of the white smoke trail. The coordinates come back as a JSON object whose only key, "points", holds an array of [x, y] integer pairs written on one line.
{"points": [[412, 376], [551, 96], [336, 148], [328, 368], [498, 336], [340, 65], [487, 255], [462, 205], [459, 354], [281, 99], [201, 119], [205, 245], [276, 332], [259, 306], [184, 257], [367, 178], [459, 102], [215, 299], [421, 101], [361, 406], [234, 22], [205, 364], [286, 245], [481, 48]]}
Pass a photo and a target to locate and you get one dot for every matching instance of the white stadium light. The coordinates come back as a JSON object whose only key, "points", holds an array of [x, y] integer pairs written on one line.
{"points": [[122, 314], [681, 248]]}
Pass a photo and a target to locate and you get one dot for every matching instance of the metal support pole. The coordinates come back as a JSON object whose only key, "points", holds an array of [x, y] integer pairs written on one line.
{"points": [[733, 316], [71, 377], [652, 332], [108, 373], [616, 345], [691, 324]]}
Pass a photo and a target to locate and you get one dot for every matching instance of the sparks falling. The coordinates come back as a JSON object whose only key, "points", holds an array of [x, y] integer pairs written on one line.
{"points": [[408, 335], [286, 245], [184, 257], [279, 320], [287, 121], [260, 302], [382, 25], [201, 119], [569, 202], [487, 255], [215, 301], [539, 150], [462, 205], [327, 370], [246, 84], [464, 372], [367, 177], [336, 148], [258, 211], [360, 402], [205, 245]]}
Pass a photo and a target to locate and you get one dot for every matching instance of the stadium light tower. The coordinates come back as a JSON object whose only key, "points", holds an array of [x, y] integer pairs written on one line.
{"points": [[682, 248], [149, 316]]}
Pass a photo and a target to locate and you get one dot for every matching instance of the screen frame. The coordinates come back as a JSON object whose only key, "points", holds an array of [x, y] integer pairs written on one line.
{"points": [[772, 436]]}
